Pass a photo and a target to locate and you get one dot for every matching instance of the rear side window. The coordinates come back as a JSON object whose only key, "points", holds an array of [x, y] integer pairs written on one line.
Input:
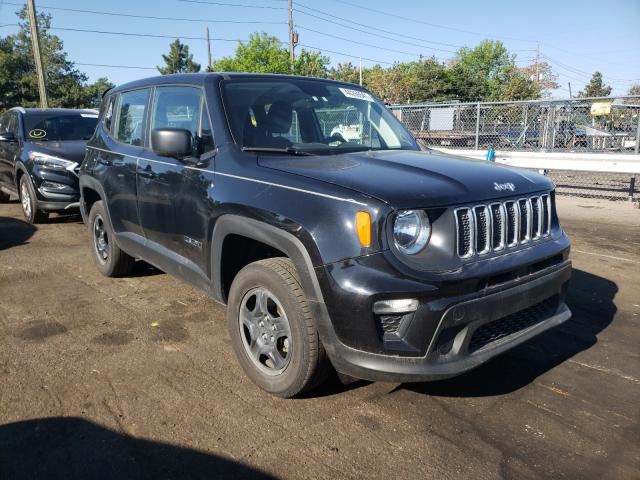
{"points": [[181, 107], [129, 125]]}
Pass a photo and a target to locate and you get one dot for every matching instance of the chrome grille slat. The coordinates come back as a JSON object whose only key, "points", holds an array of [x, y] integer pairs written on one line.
{"points": [[497, 226]]}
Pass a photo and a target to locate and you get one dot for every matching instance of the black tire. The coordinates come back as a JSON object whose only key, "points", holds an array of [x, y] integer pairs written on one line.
{"points": [[110, 260], [29, 202], [308, 364], [4, 197]]}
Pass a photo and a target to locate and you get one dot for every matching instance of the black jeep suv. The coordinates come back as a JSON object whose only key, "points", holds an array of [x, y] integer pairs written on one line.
{"points": [[362, 254], [40, 154]]}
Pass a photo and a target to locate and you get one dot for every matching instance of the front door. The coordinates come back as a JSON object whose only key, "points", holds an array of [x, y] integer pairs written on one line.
{"points": [[172, 194], [9, 149]]}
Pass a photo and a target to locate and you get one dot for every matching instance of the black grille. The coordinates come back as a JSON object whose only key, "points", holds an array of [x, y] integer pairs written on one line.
{"points": [[497, 240], [390, 323], [501, 225], [546, 213], [512, 223], [524, 220], [516, 322], [464, 232], [482, 230]]}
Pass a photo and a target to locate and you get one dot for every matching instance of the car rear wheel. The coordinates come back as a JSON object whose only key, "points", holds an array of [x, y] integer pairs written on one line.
{"points": [[29, 201], [108, 257], [272, 331]]}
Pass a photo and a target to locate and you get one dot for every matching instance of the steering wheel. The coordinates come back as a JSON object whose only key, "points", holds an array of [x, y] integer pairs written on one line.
{"points": [[337, 137]]}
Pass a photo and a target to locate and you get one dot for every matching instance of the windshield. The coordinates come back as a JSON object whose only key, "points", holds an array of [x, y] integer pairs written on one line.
{"points": [[310, 116], [60, 127]]}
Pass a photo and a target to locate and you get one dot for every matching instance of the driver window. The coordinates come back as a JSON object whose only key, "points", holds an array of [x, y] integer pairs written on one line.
{"points": [[178, 107]]}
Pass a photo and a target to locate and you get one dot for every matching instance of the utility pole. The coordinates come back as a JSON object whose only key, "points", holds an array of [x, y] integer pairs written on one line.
{"points": [[537, 63], [570, 96], [292, 58], [360, 71], [37, 56], [208, 46]]}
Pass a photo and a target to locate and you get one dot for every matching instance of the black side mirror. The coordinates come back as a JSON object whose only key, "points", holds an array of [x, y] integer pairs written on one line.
{"points": [[7, 137], [171, 142]]}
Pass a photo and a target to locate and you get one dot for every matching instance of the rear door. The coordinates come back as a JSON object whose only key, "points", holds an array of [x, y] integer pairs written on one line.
{"points": [[117, 161], [172, 195]]}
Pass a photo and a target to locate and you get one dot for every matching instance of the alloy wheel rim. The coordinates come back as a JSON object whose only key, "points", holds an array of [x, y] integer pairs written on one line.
{"points": [[100, 239], [25, 198], [265, 331]]}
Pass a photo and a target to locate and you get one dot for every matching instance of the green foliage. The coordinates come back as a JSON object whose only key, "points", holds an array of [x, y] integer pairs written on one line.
{"points": [[596, 87], [179, 60], [66, 85], [261, 54]]}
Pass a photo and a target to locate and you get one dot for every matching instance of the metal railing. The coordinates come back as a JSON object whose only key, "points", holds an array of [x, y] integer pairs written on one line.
{"points": [[604, 124]]}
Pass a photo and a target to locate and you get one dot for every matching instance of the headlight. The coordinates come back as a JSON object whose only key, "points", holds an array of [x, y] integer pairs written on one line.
{"points": [[411, 231], [50, 161]]}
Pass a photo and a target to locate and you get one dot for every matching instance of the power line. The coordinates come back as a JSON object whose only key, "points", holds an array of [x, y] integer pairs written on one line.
{"points": [[412, 54], [113, 66], [366, 26], [149, 35], [345, 54], [234, 4], [129, 15]]}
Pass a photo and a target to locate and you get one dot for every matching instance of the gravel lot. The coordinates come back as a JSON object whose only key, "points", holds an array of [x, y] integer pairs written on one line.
{"points": [[135, 378]]}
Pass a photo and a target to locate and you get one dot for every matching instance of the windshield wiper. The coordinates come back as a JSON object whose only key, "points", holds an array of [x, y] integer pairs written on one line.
{"points": [[288, 150]]}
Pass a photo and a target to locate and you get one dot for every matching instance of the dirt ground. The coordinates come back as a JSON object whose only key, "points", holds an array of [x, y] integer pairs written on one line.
{"points": [[135, 378]]}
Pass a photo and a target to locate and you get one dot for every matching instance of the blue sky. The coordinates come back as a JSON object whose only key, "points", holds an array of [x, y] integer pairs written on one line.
{"points": [[576, 36]]}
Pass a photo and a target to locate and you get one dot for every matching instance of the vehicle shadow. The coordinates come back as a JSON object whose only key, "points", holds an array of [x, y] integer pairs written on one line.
{"points": [[590, 299], [70, 448], [144, 269], [14, 232], [64, 217]]}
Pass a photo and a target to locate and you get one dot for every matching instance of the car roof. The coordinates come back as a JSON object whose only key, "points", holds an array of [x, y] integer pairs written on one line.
{"points": [[27, 111], [201, 78]]}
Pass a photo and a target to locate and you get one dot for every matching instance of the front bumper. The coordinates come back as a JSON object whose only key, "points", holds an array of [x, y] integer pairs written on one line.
{"points": [[56, 190], [457, 326]]}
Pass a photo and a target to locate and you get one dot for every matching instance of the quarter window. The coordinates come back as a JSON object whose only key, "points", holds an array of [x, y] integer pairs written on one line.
{"points": [[129, 126]]}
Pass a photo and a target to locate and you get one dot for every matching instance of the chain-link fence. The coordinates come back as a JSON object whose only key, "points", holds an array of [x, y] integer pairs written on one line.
{"points": [[609, 124]]}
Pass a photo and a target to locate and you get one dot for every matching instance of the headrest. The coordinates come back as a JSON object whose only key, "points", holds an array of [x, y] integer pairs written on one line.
{"points": [[279, 117]]}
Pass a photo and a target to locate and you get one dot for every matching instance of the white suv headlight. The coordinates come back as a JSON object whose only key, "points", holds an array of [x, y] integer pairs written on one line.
{"points": [[411, 231], [50, 161]]}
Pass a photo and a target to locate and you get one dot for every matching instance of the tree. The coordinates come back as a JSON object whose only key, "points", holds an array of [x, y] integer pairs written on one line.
{"points": [[478, 73], [519, 87], [543, 75], [345, 72], [429, 81], [634, 90], [262, 53], [392, 85], [179, 60], [311, 64], [596, 87], [66, 85]]}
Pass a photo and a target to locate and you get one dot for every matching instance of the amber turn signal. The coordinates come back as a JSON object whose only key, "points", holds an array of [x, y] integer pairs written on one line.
{"points": [[363, 227]]}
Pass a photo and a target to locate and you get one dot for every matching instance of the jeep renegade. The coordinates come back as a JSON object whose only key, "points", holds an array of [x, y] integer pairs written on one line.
{"points": [[363, 254]]}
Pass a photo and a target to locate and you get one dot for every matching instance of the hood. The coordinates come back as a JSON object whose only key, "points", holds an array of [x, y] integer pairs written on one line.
{"points": [[70, 150], [412, 179]]}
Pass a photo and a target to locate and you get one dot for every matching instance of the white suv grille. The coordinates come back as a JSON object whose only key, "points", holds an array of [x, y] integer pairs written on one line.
{"points": [[501, 225]]}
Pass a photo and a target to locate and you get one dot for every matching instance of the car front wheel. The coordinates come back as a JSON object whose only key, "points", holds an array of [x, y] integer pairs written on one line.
{"points": [[29, 201], [272, 331]]}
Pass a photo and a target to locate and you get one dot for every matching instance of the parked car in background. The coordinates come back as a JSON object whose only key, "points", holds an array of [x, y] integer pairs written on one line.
{"points": [[363, 254], [40, 153]]}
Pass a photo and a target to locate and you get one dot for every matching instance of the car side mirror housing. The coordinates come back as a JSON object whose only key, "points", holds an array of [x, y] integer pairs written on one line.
{"points": [[171, 142], [7, 137]]}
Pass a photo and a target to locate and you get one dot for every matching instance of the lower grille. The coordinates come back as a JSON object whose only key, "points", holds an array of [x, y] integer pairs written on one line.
{"points": [[516, 322], [390, 323]]}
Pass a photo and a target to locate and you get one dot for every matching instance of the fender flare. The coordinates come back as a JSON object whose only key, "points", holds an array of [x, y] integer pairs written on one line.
{"points": [[282, 240], [93, 184]]}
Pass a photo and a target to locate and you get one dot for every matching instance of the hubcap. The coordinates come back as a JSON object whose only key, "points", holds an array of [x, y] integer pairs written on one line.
{"points": [[265, 332], [26, 199], [100, 239]]}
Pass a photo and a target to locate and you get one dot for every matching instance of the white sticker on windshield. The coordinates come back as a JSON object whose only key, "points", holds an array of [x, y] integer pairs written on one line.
{"points": [[89, 115], [358, 94]]}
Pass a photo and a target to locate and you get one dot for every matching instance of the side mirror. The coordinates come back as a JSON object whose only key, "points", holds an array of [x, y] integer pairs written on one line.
{"points": [[7, 137], [171, 142]]}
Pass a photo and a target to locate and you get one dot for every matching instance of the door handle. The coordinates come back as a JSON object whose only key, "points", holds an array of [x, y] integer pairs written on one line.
{"points": [[146, 172]]}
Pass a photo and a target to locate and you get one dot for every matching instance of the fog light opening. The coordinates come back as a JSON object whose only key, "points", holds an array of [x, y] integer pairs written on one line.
{"points": [[396, 306]]}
